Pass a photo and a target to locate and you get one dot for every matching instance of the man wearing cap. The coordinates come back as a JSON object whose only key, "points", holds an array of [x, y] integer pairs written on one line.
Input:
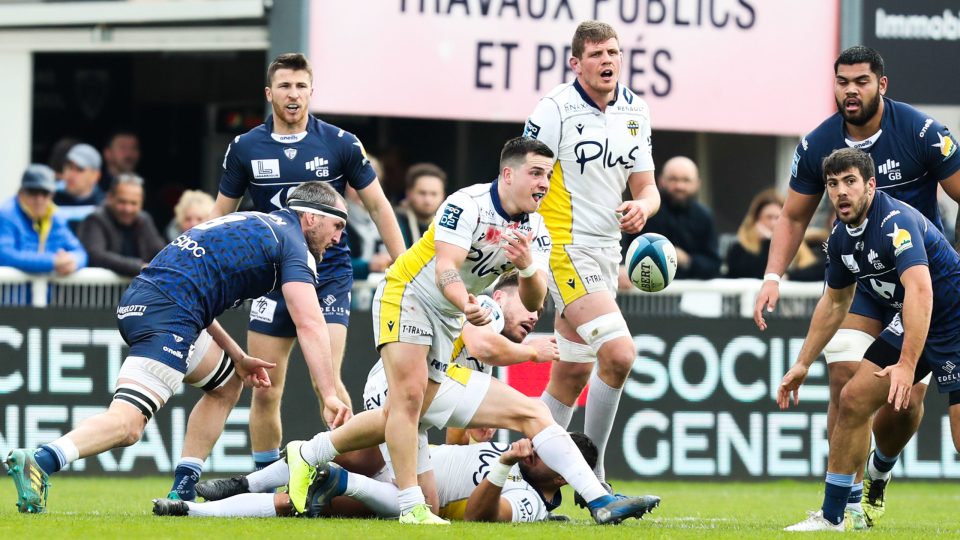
{"points": [[80, 195], [33, 235]]}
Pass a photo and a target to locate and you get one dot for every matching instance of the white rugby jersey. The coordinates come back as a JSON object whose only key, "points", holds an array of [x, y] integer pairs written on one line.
{"points": [[460, 469], [473, 219], [595, 154]]}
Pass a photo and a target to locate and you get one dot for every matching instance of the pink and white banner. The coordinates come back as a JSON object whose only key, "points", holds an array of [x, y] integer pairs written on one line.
{"points": [[743, 66]]}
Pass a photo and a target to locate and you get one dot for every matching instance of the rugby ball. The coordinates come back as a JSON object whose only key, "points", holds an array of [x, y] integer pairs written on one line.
{"points": [[651, 262]]}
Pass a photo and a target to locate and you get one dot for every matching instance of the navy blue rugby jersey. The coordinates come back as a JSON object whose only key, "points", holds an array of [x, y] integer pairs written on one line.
{"points": [[271, 165], [895, 237], [912, 152], [219, 264]]}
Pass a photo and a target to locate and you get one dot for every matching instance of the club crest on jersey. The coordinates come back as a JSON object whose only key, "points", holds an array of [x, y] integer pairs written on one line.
{"points": [[634, 127], [946, 145], [265, 168], [901, 240], [290, 152]]}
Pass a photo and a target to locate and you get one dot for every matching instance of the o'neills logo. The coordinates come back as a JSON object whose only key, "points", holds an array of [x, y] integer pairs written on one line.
{"points": [[130, 311]]}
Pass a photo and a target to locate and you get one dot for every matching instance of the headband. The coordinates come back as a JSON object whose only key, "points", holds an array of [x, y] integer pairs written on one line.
{"points": [[316, 208]]}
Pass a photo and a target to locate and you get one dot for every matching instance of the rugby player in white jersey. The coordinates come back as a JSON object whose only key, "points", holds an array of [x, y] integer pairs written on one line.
{"points": [[479, 232], [600, 133], [467, 398], [478, 482]]}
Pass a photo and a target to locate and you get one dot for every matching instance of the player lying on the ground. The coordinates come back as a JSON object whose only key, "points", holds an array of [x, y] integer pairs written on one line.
{"points": [[891, 251], [478, 482], [213, 266], [470, 398]]}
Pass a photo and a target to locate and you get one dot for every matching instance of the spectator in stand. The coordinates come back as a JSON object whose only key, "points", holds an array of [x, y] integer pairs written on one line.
{"points": [[58, 157], [121, 155], [687, 223], [368, 254], [119, 235], [192, 209], [426, 189], [33, 236], [747, 257], [80, 194]]}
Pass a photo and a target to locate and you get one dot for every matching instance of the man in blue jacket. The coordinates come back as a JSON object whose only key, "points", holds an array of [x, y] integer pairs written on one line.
{"points": [[33, 236]]}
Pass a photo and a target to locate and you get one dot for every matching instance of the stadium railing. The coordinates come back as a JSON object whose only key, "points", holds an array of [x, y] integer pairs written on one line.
{"points": [[716, 298]]}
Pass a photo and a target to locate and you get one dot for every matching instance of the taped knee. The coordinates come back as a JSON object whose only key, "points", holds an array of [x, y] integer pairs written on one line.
{"points": [[574, 352], [847, 346], [217, 376], [603, 329]]}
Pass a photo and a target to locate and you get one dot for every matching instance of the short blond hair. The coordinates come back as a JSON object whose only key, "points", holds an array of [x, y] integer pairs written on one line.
{"points": [[593, 32], [189, 199]]}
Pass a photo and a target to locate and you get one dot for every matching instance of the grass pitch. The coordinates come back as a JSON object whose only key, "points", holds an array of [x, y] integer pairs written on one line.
{"points": [[86, 507]]}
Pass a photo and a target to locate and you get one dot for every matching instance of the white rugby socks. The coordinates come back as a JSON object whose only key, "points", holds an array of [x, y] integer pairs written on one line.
{"points": [[381, 497], [561, 412], [602, 403], [560, 453], [243, 505], [319, 449], [269, 478]]}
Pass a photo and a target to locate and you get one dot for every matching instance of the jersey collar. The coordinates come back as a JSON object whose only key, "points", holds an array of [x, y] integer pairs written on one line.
{"points": [[867, 143], [589, 101], [498, 206], [858, 231], [312, 124]]}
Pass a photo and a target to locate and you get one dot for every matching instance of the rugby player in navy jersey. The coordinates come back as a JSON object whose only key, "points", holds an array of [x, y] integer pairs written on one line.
{"points": [[890, 251], [913, 153], [267, 162], [213, 266]]}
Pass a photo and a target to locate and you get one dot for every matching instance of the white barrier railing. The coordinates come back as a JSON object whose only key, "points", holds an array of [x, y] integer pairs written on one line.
{"points": [[93, 287], [99, 287]]}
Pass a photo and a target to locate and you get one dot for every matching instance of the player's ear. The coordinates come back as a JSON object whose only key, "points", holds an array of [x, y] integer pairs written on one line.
{"points": [[883, 85], [507, 175], [574, 64]]}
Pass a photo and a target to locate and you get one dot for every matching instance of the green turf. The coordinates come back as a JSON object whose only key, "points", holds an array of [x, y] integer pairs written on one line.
{"points": [[82, 507]]}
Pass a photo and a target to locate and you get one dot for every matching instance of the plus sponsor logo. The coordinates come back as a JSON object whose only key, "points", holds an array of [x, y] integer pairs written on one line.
{"points": [[589, 151]]}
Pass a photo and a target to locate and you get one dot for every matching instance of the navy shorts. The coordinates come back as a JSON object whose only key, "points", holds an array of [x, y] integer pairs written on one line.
{"points": [[941, 355], [867, 306], [155, 327], [269, 315]]}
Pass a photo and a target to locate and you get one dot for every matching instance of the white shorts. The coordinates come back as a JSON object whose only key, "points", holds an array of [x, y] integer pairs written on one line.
{"points": [[576, 271], [457, 400], [399, 315]]}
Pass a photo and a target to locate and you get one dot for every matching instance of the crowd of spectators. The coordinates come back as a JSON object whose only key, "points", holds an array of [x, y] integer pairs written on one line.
{"points": [[88, 210]]}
